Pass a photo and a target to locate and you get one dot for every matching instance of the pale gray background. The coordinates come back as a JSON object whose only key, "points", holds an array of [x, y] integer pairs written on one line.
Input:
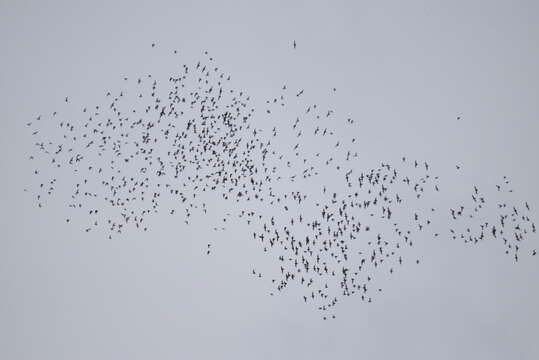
{"points": [[403, 69]]}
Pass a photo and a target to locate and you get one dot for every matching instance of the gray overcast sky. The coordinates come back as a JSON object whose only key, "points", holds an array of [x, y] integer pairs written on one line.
{"points": [[403, 70]]}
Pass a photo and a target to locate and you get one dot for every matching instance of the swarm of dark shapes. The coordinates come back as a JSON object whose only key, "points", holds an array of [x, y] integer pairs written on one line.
{"points": [[170, 147]]}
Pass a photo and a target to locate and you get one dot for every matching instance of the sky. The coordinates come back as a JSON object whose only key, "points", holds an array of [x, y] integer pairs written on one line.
{"points": [[403, 70]]}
